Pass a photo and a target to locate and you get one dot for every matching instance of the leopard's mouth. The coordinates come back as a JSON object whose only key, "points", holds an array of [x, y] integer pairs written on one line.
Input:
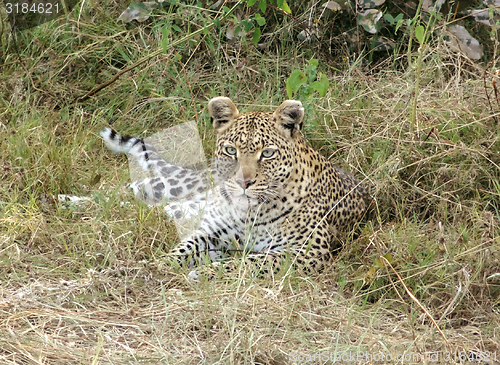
{"points": [[252, 196], [245, 197], [257, 198]]}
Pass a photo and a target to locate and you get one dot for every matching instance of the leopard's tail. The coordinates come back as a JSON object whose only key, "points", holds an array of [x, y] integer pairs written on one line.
{"points": [[145, 154], [165, 180], [122, 144]]}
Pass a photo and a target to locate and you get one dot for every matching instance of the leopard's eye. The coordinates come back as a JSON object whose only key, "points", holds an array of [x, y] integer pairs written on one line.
{"points": [[268, 153], [231, 151]]}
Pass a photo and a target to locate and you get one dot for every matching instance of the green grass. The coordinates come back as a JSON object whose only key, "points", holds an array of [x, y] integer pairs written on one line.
{"points": [[83, 284]]}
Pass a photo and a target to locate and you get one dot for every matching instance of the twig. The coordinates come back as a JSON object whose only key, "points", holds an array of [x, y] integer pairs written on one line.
{"points": [[3, 26], [191, 93], [387, 263], [488, 96], [152, 55], [413, 331], [493, 82], [189, 85]]}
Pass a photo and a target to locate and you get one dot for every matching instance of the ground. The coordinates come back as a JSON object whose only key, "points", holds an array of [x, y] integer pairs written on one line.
{"points": [[77, 284]]}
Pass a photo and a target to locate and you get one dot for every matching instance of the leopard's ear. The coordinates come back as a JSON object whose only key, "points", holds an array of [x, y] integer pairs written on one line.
{"points": [[222, 113], [289, 117]]}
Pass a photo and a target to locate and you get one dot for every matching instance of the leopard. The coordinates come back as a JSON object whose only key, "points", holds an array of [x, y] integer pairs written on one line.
{"points": [[277, 200]]}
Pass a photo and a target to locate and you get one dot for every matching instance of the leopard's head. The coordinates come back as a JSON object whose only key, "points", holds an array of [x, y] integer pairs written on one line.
{"points": [[260, 148]]}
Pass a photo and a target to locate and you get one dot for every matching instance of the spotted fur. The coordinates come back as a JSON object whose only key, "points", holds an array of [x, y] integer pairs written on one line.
{"points": [[277, 197]]}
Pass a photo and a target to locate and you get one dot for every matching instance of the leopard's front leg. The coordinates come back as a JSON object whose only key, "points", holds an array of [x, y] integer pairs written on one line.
{"points": [[199, 248], [308, 254], [218, 229]]}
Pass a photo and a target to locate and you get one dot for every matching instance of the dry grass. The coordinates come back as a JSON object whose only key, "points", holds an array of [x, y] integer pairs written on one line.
{"points": [[77, 284]]}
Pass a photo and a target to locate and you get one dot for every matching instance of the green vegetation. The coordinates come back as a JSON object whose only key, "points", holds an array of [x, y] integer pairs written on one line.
{"points": [[83, 283]]}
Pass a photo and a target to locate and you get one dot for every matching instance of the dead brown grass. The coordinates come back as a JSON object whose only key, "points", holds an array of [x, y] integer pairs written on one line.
{"points": [[86, 284]]}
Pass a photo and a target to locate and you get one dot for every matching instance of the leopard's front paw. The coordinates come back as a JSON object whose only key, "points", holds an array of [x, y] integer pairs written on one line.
{"points": [[209, 272]]}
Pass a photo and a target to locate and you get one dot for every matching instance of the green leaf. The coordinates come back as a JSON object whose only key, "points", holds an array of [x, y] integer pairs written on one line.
{"points": [[176, 28], [370, 274], [263, 5], [321, 85], [398, 25], [237, 30], [165, 31], [389, 18], [296, 79], [314, 62], [419, 33], [289, 91], [256, 36], [247, 24], [95, 180], [251, 2], [164, 45], [378, 264], [284, 6], [260, 20]]}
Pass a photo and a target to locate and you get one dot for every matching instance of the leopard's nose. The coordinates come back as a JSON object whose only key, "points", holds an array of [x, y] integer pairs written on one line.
{"points": [[245, 184]]}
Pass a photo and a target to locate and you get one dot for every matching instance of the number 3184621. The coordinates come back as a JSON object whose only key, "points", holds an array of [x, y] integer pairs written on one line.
{"points": [[25, 8]]}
